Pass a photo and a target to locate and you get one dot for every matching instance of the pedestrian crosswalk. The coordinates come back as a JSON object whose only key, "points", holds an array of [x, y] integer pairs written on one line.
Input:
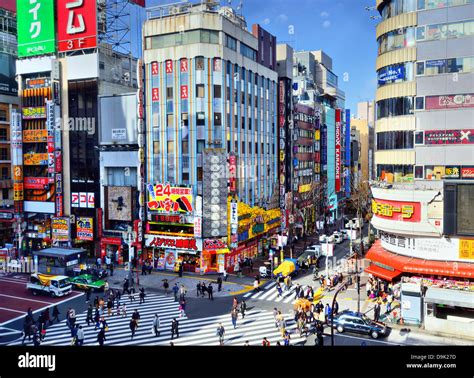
{"points": [[269, 292], [256, 325]]}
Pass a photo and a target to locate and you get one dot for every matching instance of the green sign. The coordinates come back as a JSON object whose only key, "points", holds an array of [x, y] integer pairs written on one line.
{"points": [[35, 20]]}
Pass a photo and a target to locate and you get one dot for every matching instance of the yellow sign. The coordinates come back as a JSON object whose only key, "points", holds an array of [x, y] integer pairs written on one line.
{"points": [[387, 210], [304, 188], [317, 135], [35, 159], [466, 249], [18, 192], [282, 155], [35, 136], [34, 113]]}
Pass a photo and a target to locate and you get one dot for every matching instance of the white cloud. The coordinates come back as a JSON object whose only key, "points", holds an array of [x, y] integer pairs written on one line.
{"points": [[266, 21], [282, 18], [324, 14], [326, 24]]}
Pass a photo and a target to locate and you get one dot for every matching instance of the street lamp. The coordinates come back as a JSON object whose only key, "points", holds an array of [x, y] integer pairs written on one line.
{"points": [[129, 236]]}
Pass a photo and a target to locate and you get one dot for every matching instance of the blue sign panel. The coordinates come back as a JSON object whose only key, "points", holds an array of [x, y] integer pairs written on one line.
{"points": [[389, 74]]}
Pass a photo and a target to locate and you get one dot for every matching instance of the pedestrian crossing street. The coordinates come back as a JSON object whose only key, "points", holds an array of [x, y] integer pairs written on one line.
{"points": [[269, 292], [256, 325]]}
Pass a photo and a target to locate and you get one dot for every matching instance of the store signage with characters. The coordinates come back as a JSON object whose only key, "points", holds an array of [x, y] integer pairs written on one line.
{"points": [[34, 113], [85, 228], [466, 249], [60, 229], [77, 25], [170, 260], [36, 182], [170, 199], [40, 136], [35, 159], [214, 244], [83, 200], [465, 136], [396, 210], [35, 24], [389, 74], [172, 242], [452, 172], [451, 102], [467, 172]]}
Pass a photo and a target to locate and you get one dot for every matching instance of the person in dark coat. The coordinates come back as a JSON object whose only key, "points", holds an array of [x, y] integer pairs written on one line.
{"points": [[198, 289], [219, 283], [174, 328], [142, 295], [88, 294], [46, 317], [210, 290], [55, 314], [89, 318], [377, 312], [101, 337], [243, 308], [27, 328], [133, 327], [335, 308], [36, 337]]}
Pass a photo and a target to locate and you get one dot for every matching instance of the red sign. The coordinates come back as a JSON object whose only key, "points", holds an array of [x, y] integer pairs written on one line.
{"points": [[111, 241], [166, 218], [77, 24], [140, 3], [99, 223], [450, 102], [59, 162], [449, 136], [467, 172], [169, 66], [74, 199], [184, 65], [35, 182], [396, 210], [173, 243], [155, 94], [154, 68], [184, 92], [59, 205], [214, 244], [338, 150]]}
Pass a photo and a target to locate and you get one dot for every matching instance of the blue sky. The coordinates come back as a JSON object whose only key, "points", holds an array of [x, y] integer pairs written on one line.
{"points": [[342, 28]]}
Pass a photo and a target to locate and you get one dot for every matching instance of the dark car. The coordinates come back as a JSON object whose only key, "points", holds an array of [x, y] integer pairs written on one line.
{"points": [[357, 322]]}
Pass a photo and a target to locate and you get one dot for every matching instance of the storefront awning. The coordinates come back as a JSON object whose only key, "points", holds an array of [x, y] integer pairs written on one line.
{"points": [[419, 266], [383, 273]]}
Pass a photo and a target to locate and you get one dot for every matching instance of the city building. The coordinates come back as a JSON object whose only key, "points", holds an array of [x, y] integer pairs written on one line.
{"points": [[8, 102], [61, 76], [423, 200], [212, 138], [364, 123], [356, 170], [316, 86]]}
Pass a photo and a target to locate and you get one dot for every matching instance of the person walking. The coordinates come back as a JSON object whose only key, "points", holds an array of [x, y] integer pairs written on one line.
{"points": [[174, 329], [182, 293], [136, 316], [182, 308], [133, 327], [243, 308], [297, 291], [131, 296], [124, 310], [166, 286], [255, 285], [275, 316], [72, 317], [110, 305], [203, 289], [220, 332], [55, 314], [46, 317], [101, 337], [327, 313], [88, 294], [156, 325], [235, 303], [96, 319], [225, 275], [210, 290], [377, 312], [219, 283], [335, 308], [36, 337], [80, 336], [247, 343], [106, 287], [175, 292], [89, 318], [126, 285], [279, 290], [388, 309], [234, 315], [142, 295], [27, 329], [265, 342], [198, 289], [286, 340]]}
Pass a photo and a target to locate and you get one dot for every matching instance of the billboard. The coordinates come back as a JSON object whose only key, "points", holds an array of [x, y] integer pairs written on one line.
{"points": [[118, 125], [119, 203], [396, 210], [35, 22], [170, 199], [77, 25], [214, 222], [449, 136], [449, 102], [8, 85], [85, 228], [60, 229]]}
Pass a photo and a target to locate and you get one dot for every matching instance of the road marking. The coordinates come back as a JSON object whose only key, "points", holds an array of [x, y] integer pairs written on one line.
{"points": [[364, 339], [9, 309], [24, 299]]}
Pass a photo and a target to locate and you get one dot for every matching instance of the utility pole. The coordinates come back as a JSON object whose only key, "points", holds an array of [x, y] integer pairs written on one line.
{"points": [[332, 311]]}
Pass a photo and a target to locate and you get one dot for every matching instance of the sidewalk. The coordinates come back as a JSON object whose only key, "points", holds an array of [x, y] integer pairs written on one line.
{"points": [[154, 282]]}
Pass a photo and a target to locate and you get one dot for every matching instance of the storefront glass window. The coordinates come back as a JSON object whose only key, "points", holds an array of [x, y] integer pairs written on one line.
{"points": [[396, 39], [393, 107], [465, 204]]}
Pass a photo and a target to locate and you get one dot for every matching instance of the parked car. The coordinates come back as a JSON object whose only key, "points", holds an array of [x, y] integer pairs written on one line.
{"points": [[311, 253], [345, 234], [87, 281], [357, 322], [355, 224], [330, 239], [322, 238]]}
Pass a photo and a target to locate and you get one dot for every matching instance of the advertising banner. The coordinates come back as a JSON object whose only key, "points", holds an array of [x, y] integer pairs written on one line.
{"points": [[389, 74], [170, 199], [465, 136], [8, 85], [35, 136], [34, 112], [35, 159], [119, 203], [35, 22], [396, 210], [467, 172], [170, 259], [85, 228], [60, 228], [197, 227], [77, 25], [338, 151], [449, 102], [170, 242], [36, 182], [452, 172]]}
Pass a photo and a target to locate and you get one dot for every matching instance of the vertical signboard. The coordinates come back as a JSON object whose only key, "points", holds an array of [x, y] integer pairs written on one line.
{"points": [[338, 151], [348, 152], [17, 159], [233, 173], [214, 219], [282, 133], [35, 20], [77, 24]]}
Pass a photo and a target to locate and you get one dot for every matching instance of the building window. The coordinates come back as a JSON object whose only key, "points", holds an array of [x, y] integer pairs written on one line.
{"points": [[5, 194], [420, 68], [200, 91], [169, 93], [156, 148], [3, 154], [3, 115], [419, 103], [200, 146], [394, 107], [465, 199], [217, 119], [444, 31], [170, 120], [200, 64], [248, 52], [397, 39], [3, 134], [217, 91], [394, 140], [231, 43], [171, 148], [200, 119], [185, 119], [183, 38]]}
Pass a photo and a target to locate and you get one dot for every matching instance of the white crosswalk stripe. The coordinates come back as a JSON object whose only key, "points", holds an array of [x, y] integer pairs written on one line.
{"points": [[199, 332], [269, 292]]}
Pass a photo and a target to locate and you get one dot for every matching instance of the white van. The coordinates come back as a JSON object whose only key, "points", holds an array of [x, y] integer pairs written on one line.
{"points": [[56, 286]]}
